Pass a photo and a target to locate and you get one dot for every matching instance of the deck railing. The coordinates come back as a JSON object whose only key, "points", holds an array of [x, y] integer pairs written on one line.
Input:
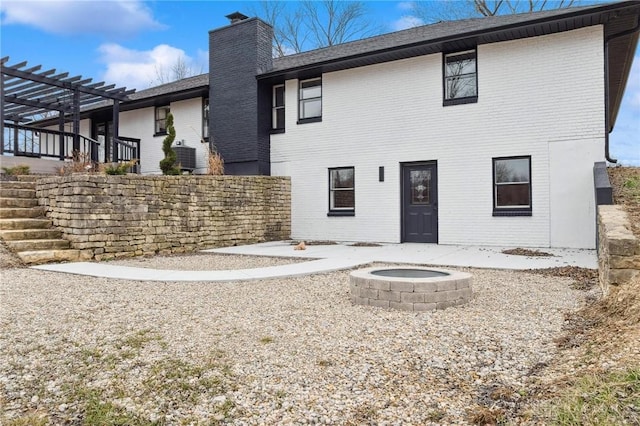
{"points": [[26, 141], [128, 149]]}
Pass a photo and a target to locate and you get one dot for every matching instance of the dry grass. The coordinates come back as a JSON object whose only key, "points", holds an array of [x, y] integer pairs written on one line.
{"points": [[80, 163], [601, 356], [215, 163], [626, 192]]}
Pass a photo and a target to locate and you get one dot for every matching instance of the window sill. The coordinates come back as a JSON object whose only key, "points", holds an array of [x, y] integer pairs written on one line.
{"points": [[160, 134], [460, 101], [504, 213], [276, 131], [310, 120], [341, 213]]}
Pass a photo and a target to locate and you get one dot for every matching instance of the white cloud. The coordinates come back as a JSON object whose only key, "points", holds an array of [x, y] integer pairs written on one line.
{"points": [[406, 5], [405, 22], [625, 138], [119, 18], [139, 68]]}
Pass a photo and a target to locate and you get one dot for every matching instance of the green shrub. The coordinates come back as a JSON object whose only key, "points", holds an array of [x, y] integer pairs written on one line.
{"points": [[20, 169], [119, 168], [168, 163]]}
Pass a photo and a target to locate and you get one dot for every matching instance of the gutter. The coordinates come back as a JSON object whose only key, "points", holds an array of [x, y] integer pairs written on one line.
{"points": [[635, 29]]}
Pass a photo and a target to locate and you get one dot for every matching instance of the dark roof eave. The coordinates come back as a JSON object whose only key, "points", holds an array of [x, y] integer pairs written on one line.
{"points": [[418, 48]]}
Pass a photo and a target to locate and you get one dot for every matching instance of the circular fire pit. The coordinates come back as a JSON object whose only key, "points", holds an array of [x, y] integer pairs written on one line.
{"points": [[410, 288]]}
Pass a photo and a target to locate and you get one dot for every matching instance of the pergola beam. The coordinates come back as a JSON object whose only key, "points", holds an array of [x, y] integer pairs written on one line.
{"points": [[28, 92], [13, 71]]}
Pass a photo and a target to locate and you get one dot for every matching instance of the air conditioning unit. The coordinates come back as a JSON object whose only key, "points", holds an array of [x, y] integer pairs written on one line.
{"points": [[186, 157]]}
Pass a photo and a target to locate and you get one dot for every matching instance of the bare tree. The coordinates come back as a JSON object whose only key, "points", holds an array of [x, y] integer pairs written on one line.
{"points": [[332, 22], [462, 9], [177, 71], [289, 34], [315, 24]]}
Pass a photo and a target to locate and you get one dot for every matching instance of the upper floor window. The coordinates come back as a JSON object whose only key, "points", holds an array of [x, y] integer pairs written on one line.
{"points": [[161, 119], [205, 119], [342, 198], [512, 186], [460, 78], [310, 100], [277, 106]]}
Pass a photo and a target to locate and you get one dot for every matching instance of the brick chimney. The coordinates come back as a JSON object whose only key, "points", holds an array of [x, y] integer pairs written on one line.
{"points": [[237, 53]]}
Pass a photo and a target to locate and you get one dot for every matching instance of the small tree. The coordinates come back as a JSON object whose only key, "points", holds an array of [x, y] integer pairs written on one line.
{"points": [[168, 163]]}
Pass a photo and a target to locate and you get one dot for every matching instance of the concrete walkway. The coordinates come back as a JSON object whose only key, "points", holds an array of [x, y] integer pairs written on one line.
{"points": [[327, 258]]}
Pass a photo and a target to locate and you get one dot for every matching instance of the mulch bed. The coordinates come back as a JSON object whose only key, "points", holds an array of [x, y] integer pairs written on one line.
{"points": [[527, 252], [584, 278]]}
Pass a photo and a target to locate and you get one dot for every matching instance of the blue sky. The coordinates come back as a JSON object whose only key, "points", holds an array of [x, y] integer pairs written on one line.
{"points": [[126, 42]]}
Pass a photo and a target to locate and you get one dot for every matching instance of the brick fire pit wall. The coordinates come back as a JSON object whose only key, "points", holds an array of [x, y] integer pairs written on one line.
{"points": [[123, 216]]}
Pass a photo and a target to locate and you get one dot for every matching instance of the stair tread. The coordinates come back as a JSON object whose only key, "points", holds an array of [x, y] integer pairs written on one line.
{"points": [[15, 234], [53, 255], [18, 192], [21, 219], [38, 239]]}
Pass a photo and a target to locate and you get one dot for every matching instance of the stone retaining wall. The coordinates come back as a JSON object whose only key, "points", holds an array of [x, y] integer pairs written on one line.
{"points": [[618, 248], [121, 216]]}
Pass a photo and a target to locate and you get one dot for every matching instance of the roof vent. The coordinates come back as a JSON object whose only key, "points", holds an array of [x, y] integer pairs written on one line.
{"points": [[236, 17]]}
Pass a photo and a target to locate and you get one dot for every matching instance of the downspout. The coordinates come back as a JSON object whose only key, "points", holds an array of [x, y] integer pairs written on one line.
{"points": [[607, 155]]}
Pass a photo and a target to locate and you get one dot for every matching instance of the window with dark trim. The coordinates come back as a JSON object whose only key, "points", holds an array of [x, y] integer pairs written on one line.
{"points": [[161, 119], [277, 108], [342, 200], [512, 186], [310, 98], [460, 78], [205, 119]]}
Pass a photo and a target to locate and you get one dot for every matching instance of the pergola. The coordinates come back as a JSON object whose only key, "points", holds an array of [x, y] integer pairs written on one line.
{"points": [[27, 94]]}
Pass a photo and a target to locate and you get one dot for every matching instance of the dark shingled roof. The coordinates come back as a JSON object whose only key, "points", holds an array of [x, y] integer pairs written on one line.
{"points": [[421, 34], [185, 84], [454, 35], [429, 34], [174, 86]]}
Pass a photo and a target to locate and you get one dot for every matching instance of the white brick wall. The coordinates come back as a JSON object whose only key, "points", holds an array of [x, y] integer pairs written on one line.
{"points": [[187, 118], [140, 124], [540, 96]]}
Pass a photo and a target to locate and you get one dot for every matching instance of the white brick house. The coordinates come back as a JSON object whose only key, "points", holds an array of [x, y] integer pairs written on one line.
{"points": [[389, 152], [481, 131], [390, 115]]}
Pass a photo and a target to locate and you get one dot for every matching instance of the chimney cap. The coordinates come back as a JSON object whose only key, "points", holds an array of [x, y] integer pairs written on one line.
{"points": [[236, 17]]}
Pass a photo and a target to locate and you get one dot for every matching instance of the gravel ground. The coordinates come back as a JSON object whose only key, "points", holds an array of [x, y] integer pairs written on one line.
{"points": [[79, 350]]}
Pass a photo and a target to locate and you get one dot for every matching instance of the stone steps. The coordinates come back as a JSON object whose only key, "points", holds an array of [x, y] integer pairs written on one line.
{"points": [[25, 223], [30, 234], [34, 257], [18, 202], [40, 244], [20, 213], [25, 229], [14, 184], [17, 193]]}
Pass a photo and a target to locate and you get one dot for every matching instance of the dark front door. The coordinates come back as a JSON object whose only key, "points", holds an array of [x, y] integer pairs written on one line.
{"points": [[420, 203]]}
